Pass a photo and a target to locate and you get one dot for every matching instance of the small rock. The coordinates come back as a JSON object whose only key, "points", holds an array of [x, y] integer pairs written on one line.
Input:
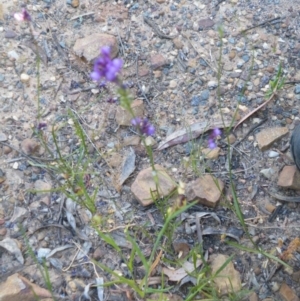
{"points": [[177, 43], [132, 140], [268, 173], [268, 136], [228, 281], [29, 146], [3, 137], [297, 89], [150, 141], [73, 3], [157, 61], [205, 23], [270, 207], [204, 95], [89, 47], [16, 286], [212, 84], [232, 54], [123, 117], [231, 139], [195, 100], [25, 78], [211, 154], [253, 297], [144, 187], [40, 185], [289, 177], [173, 84], [287, 293], [10, 34], [207, 190], [273, 154], [99, 253]]}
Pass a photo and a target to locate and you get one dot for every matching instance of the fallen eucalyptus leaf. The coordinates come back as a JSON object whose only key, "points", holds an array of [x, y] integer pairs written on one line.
{"points": [[128, 166], [191, 132]]}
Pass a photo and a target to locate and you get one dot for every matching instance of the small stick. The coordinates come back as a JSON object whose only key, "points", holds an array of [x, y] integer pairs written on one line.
{"points": [[261, 24], [83, 15]]}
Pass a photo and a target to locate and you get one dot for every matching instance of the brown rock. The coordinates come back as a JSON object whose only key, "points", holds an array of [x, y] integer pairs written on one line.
{"points": [[43, 189], [177, 43], [296, 276], [132, 140], [253, 297], [207, 190], [98, 253], [287, 293], [232, 54], [211, 154], [89, 47], [270, 207], [289, 177], [17, 288], [228, 280], [123, 117], [157, 61], [268, 136], [205, 23], [29, 146], [160, 1], [7, 150], [3, 232], [143, 71], [144, 187]]}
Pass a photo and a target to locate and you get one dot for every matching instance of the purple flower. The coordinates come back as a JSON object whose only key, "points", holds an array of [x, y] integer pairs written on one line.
{"points": [[144, 126], [105, 67], [23, 16], [212, 137]]}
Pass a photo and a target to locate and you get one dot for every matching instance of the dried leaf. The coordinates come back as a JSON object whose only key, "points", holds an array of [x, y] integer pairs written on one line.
{"points": [[71, 220], [19, 214], [191, 132], [254, 111], [12, 246], [56, 263], [177, 275], [128, 166]]}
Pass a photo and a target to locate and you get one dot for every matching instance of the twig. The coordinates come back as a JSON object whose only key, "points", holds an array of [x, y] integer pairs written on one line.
{"points": [[83, 15], [261, 24]]}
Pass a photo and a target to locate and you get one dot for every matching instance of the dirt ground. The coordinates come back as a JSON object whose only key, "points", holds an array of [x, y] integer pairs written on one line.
{"points": [[171, 64]]}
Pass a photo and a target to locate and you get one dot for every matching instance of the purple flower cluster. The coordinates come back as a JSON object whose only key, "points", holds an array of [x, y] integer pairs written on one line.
{"points": [[143, 125], [212, 138], [106, 68], [22, 16]]}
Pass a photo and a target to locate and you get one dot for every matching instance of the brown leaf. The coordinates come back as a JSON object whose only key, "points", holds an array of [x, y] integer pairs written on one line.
{"points": [[177, 275]]}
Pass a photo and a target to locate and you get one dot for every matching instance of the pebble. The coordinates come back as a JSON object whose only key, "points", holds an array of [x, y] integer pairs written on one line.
{"points": [[297, 89], [204, 95], [212, 85], [195, 100], [273, 154], [2, 77], [268, 173]]}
